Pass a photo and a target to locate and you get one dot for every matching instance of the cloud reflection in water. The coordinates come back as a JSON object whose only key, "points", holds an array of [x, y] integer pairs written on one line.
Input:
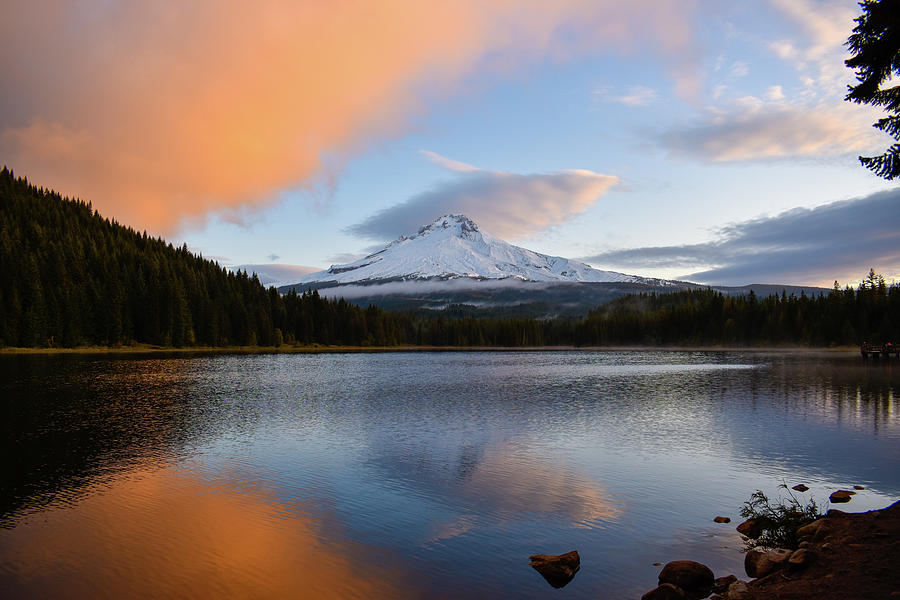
{"points": [[168, 533]]}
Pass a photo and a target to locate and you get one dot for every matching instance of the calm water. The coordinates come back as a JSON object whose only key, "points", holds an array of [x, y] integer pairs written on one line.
{"points": [[419, 475]]}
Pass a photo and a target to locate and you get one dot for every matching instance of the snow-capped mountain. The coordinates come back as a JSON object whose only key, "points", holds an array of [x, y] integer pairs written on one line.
{"points": [[453, 246]]}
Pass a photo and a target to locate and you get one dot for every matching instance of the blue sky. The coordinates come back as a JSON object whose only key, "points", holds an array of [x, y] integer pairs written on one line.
{"points": [[643, 138]]}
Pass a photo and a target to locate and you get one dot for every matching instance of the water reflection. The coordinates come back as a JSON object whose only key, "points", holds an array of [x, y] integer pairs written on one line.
{"points": [[167, 534], [508, 483], [453, 467], [69, 421]]}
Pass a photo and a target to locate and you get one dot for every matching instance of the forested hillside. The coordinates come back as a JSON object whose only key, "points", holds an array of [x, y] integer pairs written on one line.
{"points": [[71, 277], [842, 317]]}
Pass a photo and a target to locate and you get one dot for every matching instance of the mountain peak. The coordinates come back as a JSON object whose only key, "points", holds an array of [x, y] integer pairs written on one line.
{"points": [[462, 225]]}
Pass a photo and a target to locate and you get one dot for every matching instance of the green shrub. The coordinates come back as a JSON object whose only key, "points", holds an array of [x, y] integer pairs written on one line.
{"points": [[778, 520]]}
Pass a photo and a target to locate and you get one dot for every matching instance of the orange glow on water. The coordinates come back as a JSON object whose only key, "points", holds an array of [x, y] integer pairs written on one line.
{"points": [[158, 534]]}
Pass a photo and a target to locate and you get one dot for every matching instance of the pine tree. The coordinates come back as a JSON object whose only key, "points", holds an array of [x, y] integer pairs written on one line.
{"points": [[875, 49]]}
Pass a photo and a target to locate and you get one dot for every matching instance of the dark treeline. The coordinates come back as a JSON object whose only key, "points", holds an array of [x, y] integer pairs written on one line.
{"points": [[702, 317], [70, 277], [699, 317]]}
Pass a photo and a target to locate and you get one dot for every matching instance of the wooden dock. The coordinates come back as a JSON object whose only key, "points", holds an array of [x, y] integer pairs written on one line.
{"points": [[875, 351]]}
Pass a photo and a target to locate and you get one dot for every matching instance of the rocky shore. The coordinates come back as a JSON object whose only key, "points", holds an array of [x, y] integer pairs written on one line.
{"points": [[841, 556]]}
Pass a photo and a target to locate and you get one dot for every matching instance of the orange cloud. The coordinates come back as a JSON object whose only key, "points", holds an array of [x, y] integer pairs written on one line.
{"points": [[160, 111]]}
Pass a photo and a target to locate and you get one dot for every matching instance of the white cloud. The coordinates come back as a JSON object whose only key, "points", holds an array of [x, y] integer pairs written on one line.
{"points": [[751, 129], [739, 69], [636, 95], [784, 49], [448, 163], [509, 205], [393, 288], [639, 96], [827, 23], [775, 93], [720, 60], [819, 53]]}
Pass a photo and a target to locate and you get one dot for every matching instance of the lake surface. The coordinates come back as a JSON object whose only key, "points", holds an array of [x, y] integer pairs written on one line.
{"points": [[416, 475]]}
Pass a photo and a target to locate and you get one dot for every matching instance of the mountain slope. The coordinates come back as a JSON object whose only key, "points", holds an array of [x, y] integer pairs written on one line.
{"points": [[453, 246]]}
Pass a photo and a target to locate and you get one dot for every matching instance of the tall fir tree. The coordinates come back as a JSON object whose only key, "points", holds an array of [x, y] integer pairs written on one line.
{"points": [[875, 49]]}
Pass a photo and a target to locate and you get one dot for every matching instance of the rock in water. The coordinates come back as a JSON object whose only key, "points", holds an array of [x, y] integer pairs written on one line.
{"points": [[859, 487], [666, 591], [694, 578], [800, 488], [722, 520], [841, 496], [751, 528], [557, 570]]}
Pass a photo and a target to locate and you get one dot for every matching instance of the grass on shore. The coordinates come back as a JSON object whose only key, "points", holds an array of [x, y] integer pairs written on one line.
{"points": [[153, 349]]}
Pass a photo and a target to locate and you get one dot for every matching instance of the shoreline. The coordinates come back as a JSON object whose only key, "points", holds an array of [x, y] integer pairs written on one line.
{"points": [[150, 349], [840, 555]]}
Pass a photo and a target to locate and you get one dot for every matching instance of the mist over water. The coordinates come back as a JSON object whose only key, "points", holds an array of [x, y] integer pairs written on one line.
{"points": [[416, 475]]}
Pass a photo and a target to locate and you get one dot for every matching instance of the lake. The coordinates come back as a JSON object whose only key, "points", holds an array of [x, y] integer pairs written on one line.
{"points": [[416, 474]]}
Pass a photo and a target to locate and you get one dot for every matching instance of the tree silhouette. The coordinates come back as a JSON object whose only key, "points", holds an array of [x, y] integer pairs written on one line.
{"points": [[875, 48]]}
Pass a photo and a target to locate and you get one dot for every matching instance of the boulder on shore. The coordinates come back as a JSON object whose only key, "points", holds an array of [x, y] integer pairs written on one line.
{"points": [[850, 555], [855, 555], [759, 562], [558, 570], [738, 591], [720, 585], [694, 578], [800, 558], [808, 531]]}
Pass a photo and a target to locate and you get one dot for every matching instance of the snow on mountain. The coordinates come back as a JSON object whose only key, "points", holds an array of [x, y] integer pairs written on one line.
{"points": [[453, 247]]}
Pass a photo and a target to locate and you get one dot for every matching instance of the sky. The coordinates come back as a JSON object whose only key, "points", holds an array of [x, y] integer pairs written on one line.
{"points": [[685, 139]]}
